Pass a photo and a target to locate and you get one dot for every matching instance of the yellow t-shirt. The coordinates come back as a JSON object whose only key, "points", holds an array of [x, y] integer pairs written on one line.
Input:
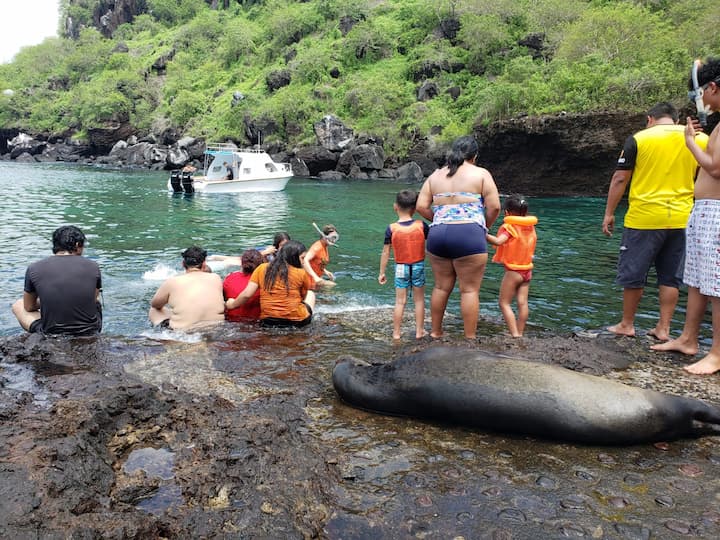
{"points": [[663, 178], [281, 302]]}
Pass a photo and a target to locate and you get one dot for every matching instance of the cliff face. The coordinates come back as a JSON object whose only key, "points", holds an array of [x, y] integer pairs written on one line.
{"points": [[555, 155]]}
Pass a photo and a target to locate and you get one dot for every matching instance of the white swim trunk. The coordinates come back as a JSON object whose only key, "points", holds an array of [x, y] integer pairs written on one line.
{"points": [[702, 251]]}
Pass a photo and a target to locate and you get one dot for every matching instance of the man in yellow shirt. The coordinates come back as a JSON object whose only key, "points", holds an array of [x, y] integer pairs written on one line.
{"points": [[660, 171]]}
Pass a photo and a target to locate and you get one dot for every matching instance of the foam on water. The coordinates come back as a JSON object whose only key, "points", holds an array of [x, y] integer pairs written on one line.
{"points": [[160, 273]]}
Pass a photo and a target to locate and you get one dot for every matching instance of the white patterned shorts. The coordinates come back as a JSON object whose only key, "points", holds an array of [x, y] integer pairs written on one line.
{"points": [[702, 251]]}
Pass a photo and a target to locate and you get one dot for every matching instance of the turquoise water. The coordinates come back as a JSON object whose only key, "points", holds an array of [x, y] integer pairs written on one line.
{"points": [[136, 231]]}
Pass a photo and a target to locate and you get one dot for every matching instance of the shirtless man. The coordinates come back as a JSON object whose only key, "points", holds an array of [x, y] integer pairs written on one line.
{"points": [[702, 255], [190, 298]]}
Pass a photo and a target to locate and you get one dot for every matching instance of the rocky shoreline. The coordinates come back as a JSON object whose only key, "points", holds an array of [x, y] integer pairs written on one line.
{"points": [[556, 155]]}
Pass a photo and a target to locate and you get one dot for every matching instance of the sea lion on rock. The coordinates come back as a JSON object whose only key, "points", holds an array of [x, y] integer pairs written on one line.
{"points": [[478, 389]]}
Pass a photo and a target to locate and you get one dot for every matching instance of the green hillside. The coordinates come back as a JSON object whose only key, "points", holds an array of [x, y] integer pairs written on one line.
{"points": [[279, 66]]}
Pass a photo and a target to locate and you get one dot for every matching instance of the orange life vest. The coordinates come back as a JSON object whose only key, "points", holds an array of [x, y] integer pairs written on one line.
{"points": [[517, 253], [408, 242]]}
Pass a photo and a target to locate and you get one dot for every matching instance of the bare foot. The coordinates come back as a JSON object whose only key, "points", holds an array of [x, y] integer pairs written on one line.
{"points": [[677, 345], [437, 336], [659, 335], [420, 336], [705, 366], [396, 336], [622, 330]]}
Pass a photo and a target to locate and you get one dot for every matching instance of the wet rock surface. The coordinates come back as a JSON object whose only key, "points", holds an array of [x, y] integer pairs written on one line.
{"points": [[240, 435]]}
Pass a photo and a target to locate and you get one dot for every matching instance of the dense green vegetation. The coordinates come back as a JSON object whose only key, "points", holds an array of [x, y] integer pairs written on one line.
{"points": [[180, 62]]}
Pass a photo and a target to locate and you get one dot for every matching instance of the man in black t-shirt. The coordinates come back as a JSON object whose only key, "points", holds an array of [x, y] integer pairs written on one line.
{"points": [[61, 293]]}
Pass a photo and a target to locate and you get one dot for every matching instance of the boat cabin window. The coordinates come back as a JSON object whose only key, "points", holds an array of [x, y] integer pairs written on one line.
{"points": [[270, 167]]}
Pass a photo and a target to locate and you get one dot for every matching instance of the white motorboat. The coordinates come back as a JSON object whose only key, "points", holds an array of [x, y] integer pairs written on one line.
{"points": [[229, 169]]}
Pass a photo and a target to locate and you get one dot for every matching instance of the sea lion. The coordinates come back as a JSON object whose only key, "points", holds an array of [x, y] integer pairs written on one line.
{"points": [[478, 389]]}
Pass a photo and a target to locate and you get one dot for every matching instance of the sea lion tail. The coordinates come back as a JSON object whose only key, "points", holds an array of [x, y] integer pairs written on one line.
{"points": [[708, 414]]}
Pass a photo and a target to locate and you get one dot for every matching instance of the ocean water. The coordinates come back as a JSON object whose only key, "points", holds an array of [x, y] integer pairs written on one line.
{"points": [[136, 231]]}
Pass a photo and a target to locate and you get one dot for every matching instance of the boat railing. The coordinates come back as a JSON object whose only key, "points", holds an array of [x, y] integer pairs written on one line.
{"points": [[228, 148]]}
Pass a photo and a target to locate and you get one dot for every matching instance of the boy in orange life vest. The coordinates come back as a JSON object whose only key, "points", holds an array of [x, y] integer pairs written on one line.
{"points": [[407, 238], [515, 243]]}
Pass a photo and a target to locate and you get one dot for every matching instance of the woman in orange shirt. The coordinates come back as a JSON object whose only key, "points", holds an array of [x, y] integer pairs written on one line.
{"points": [[286, 296]]}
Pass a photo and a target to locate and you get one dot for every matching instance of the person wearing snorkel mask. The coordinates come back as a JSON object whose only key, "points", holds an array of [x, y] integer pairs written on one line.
{"points": [[318, 257], [660, 171], [702, 254]]}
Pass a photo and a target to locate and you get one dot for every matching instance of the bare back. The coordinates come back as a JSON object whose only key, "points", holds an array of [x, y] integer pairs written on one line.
{"points": [[467, 179], [193, 297], [707, 186]]}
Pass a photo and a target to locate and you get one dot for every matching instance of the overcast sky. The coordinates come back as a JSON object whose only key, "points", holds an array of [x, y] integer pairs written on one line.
{"points": [[25, 22]]}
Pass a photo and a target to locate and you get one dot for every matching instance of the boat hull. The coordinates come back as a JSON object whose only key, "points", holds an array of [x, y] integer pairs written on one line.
{"points": [[244, 185]]}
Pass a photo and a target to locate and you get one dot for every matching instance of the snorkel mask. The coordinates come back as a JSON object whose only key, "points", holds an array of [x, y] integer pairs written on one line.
{"points": [[696, 95], [331, 238]]}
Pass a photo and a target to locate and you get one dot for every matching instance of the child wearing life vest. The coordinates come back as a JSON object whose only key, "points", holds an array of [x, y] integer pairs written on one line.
{"points": [[515, 242], [406, 237]]}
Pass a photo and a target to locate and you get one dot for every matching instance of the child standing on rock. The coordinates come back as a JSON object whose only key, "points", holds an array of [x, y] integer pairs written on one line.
{"points": [[407, 238], [515, 241]]}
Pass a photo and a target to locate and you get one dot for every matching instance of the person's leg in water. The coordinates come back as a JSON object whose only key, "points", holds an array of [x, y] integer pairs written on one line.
{"points": [[710, 363], [508, 289], [470, 271], [419, 301], [687, 342], [444, 274], [400, 301]]}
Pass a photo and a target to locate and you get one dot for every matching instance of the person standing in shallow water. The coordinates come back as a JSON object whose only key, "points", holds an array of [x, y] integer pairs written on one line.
{"points": [[462, 201], [62, 292], [702, 256], [660, 171]]}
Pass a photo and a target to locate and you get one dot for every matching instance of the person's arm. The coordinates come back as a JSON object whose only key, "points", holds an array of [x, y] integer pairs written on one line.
{"points": [[229, 260], [30, 301], [384, 258], [243, 297], [491, 200], [710, 162], [618, 183], [162, 296], [423, 206], [498, 240]]}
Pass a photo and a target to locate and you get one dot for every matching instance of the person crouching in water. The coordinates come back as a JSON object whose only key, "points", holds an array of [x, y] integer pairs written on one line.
{"points": [[515, 241], [286, 296], [318, 257]]}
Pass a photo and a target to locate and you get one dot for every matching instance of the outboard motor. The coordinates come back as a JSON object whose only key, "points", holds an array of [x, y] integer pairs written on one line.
{"points": [[187, 183], [175, 182]]}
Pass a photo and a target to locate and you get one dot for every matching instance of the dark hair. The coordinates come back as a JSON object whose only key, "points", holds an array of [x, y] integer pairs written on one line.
{"points": [[664, 110], [289, 255], [707, 72], [406, 199], [67, 238], [462, 149], [279, 238], [327, 229], [516, 205], [194, 257], [251, 259]]}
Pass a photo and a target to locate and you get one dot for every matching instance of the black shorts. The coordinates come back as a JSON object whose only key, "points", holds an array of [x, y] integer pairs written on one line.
{"points": [[36, 327], [641, 249], [277, 322], [165, 323]]}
